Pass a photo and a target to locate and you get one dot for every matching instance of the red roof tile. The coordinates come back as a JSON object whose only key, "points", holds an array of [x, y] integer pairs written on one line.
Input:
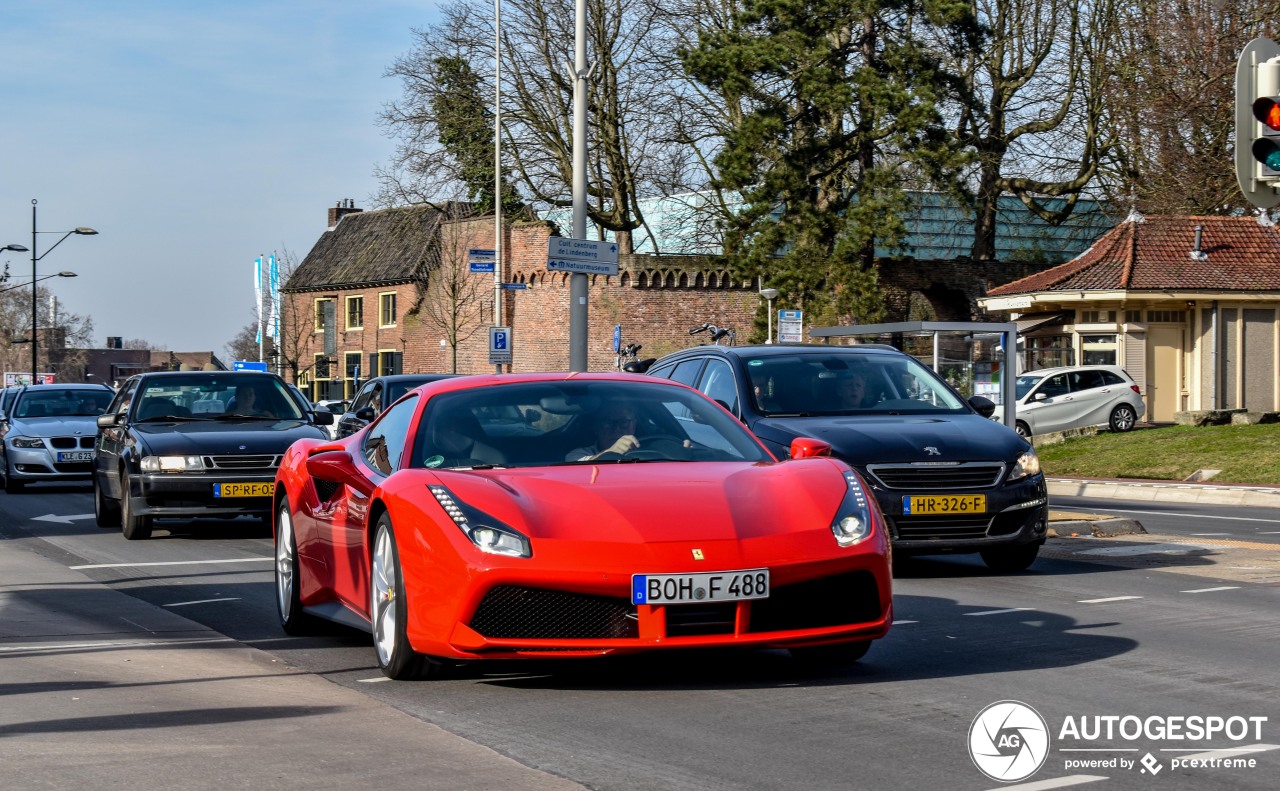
{"points": [[1155, 254]]}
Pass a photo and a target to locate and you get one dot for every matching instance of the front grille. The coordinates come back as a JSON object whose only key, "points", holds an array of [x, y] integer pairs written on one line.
{"points": [[936, 528], [74, 466], [68, 443], [513, 612], [829, 601], [245, 462], [936, 477], [687, 620]]}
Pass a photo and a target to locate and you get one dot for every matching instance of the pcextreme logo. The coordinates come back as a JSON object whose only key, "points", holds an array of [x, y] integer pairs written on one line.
{"points": [[1008, 741]]}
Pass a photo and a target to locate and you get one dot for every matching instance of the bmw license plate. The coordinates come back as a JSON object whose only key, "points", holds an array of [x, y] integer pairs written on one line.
{"points": [[944, 504], [244, 489], [75, 455], [692, 588]]}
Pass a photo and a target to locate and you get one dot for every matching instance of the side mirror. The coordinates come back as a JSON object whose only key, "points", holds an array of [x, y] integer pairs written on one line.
{"points": [[322, 418], [982, 405], [1039, 396], [108, 420], [808, 448], [337, 466], [366, 414]]}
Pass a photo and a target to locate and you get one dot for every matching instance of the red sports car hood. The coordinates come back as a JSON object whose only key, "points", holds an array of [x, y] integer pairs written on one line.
{"points": [[657, 502]]}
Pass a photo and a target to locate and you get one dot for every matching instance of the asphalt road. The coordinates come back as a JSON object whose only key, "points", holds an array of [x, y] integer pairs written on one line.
{"points": [[1190, 520], [1078, 637]]}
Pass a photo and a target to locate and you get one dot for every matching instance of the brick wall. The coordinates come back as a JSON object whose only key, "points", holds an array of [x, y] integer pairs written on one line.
{"points": [[656, 299]]}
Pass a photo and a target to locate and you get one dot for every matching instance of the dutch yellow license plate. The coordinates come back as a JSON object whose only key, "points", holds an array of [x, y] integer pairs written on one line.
{"points": [[944, 504], [244, 489]]}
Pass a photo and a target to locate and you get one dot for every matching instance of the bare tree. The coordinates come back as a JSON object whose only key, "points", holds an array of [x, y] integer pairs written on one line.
{"points": [[451, 300]]}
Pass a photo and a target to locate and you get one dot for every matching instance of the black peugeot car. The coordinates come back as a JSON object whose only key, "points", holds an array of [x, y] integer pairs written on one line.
{"points": [[948, 478], [193, 444]]}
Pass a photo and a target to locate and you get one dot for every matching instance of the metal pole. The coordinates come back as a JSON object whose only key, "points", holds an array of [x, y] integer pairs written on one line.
{"points": [[770, 338], [34, 359], [497, 168], [578, 281]]}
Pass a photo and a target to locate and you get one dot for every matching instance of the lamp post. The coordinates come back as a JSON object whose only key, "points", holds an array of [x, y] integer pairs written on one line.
{"points": [[770, 294], [81, 231], [46, 277]]}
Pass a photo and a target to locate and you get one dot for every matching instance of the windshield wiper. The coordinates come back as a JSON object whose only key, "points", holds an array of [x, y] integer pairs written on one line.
{"points": [[166, 419], [249, 417]]}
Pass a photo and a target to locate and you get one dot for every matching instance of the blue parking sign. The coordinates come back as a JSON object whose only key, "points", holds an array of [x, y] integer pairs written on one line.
{"points": [[500, 345]]}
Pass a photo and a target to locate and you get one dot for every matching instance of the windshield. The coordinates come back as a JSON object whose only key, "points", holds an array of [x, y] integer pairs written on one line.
{"points": [[46, 401], [578, 422], [218, 397], [843, 382], [1024, 385]]}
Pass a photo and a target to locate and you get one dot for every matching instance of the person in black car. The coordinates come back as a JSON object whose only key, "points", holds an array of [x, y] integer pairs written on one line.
{"points": [[246, 402]]}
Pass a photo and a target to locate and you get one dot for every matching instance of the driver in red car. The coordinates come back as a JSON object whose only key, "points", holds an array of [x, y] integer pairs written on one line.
{"points": [[615, 433]]}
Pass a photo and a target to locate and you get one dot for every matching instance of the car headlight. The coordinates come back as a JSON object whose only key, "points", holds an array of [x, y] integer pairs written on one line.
{"points": [[1027, 464], [28, 442], [487, 533], [172, 464], [853, 520]]}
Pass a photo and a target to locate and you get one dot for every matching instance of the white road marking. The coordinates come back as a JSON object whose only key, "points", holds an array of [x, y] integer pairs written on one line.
{"points": [[1269, 532], [13, 649], [895, 623], [1209, 534], [1211, 590], [60, 519], [1054, 782], [1000, 612], [377, 680], [170, 563], [1226, 752], [199, 601], [1196, 516], [1109, 598]]}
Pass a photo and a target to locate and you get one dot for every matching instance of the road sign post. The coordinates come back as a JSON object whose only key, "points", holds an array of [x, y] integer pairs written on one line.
{"points": [[500, 346]]}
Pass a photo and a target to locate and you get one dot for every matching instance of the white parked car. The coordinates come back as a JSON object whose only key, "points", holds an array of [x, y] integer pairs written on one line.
{"points": [[1057, 399]]}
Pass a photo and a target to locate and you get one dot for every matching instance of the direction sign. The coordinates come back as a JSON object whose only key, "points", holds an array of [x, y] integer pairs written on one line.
{"points": [[499, 345], [559, 247], [584, 267]]}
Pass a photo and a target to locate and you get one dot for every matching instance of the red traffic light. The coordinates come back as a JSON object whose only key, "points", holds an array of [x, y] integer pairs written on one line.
{"points": [[1267, 110]]}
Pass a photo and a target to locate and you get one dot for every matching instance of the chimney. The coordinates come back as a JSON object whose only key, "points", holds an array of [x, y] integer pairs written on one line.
{"points": [[341, 209], [1197, 254]]}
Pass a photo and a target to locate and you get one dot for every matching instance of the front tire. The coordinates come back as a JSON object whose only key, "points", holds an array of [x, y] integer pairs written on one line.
{"points": [[288, 601], [105, 512], [1123, 418], [1010, 558], [10, 485], [389, 610], [136, 527], [1023, 430]]}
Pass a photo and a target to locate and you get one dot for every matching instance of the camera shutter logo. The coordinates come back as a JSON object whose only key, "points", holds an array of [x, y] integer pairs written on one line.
{"points": [[1008, 741]]}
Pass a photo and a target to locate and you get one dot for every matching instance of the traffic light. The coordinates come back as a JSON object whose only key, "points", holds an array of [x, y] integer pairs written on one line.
{"points": [[1258, 123]]}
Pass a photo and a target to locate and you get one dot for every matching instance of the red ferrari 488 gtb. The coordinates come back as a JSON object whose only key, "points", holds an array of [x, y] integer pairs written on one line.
{"points": [[573, 515]]}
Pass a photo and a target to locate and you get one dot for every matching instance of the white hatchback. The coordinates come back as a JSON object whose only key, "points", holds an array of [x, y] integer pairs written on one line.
{"points": [[1057, 399]]}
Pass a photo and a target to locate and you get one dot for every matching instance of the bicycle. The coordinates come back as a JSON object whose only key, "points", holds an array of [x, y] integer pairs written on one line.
{"points": [[626, 355], [717, 334]]}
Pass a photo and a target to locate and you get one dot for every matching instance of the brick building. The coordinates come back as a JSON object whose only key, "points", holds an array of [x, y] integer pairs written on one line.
{"points": [[390, 291]]}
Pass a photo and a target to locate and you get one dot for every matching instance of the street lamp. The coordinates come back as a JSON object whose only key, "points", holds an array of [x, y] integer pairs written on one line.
{"points": [[81, 231], [45, 277], [770, 294]]}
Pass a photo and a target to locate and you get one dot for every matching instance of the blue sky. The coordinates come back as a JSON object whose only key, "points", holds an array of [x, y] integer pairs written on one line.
{"points": [[193, 136]]}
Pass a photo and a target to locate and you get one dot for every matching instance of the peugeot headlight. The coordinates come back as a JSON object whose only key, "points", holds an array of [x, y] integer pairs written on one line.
{"points": [[28, 442], [853, 521], [487, 533], [1027, 464], [172, 464]]}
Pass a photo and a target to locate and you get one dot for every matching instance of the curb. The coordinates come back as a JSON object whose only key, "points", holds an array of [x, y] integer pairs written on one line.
{"points": [[1098, 526], [1166, 491]]}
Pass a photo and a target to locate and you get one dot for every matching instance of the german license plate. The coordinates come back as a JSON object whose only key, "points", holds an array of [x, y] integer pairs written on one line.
{"points": [[692, 588], [75, 455], [944, 504], [244, 489]]}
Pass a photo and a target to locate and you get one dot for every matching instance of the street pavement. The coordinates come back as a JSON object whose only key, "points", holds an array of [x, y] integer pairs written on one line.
{"points": [[102, 690]]}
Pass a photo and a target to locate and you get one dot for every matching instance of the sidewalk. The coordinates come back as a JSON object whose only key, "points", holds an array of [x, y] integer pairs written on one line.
{"points": [[104, 691], [1166, 491]]}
